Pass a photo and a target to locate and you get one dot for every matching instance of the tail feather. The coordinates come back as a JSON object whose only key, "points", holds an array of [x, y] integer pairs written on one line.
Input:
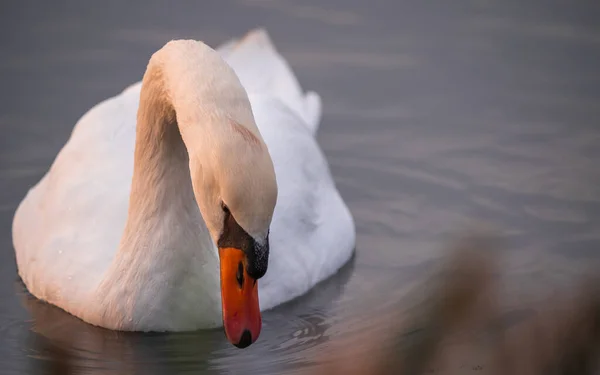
{"points": [[263, 70]]}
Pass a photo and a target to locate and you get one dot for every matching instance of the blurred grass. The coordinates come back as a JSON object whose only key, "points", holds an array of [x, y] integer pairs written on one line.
{"points": [[461, 299]]}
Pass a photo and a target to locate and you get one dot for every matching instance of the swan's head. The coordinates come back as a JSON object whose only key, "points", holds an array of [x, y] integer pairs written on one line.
{"points": [[236, 191]]}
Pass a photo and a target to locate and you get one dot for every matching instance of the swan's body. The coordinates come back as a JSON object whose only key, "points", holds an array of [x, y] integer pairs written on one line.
{"points": [[79, 245]]}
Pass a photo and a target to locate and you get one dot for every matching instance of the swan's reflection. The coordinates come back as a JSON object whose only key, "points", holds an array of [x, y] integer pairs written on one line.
{"points": [[63, 344], [67, 345]]}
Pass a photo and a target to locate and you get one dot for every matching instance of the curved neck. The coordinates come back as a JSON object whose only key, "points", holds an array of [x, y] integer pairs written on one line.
{"points": [[161, 189], [161, 175], [165, 250]]}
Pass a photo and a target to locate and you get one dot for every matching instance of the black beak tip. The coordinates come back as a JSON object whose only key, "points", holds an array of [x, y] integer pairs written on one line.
{"points": [[245, 340]]}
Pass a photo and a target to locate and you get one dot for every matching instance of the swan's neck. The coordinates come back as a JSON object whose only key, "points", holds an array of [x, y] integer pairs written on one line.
{"points": [[166, 259], [163, 213], [161, 191]]}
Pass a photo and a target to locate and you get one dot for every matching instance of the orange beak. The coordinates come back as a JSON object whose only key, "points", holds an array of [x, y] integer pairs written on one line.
{"points": [[239, 299]]}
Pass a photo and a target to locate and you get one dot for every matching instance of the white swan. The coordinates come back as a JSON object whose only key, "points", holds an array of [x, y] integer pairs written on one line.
{"points": [[146, 228]]}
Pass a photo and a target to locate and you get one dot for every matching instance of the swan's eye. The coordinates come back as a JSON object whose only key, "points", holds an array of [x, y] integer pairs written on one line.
{"points": [[225, 209], [240, 275]]}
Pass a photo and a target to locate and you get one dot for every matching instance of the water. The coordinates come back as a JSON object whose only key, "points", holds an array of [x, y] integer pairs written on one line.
{"points": [[435, 116]]}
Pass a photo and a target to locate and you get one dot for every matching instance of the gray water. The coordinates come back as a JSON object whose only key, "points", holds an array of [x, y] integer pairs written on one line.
{"points": [[437, 115]]}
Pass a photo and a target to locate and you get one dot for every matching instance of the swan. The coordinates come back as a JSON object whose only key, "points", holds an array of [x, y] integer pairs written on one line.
{"points": [[171, 199]]}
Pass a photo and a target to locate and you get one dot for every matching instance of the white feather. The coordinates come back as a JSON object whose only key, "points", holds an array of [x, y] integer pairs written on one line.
{"points": [[67, 230]]}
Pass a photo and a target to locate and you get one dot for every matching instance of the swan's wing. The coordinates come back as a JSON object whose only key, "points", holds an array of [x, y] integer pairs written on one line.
{"points": [[262, 70], [312, 232], [67, 228]]}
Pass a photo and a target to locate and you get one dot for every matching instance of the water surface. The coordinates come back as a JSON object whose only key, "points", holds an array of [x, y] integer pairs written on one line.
{"points": [[436, 115]]}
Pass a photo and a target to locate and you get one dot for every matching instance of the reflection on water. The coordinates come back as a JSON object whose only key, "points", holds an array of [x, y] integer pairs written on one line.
{"points": [[436, 115]]}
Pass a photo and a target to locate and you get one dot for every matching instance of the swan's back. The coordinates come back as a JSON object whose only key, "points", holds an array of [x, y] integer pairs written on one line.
{"points": [[263, 71]]}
